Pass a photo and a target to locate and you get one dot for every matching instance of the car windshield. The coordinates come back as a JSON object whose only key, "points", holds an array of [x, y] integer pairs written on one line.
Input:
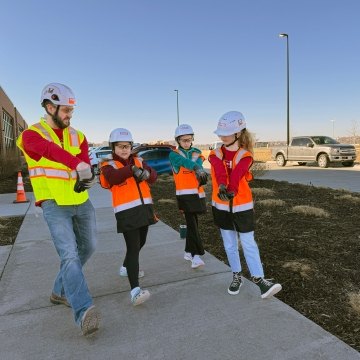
{"points": [[322, 140]]}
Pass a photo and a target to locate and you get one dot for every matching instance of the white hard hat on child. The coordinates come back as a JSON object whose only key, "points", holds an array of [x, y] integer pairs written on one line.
{"points": [[183, 129], [120, 134], [230, 123], [58, 94]]}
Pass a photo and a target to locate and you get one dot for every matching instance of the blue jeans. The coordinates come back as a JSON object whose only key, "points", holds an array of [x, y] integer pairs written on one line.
{"points": [[73, 231], [250, 249]]}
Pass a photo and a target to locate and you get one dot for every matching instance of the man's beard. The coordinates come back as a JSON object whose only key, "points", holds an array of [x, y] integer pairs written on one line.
{"points": [[59, 123]]}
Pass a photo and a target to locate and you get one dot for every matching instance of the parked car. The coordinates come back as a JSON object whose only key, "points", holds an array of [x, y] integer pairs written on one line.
{"points": [[215, 145], [322, 149], [156, 156], [97, 155]]}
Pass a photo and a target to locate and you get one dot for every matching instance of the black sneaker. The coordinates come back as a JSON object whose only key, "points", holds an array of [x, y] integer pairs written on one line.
{"points": [[235, 285], [267, 288]]}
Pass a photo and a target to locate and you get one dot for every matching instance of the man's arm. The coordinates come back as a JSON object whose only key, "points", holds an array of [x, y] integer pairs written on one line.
{"points": [[37, 147]]}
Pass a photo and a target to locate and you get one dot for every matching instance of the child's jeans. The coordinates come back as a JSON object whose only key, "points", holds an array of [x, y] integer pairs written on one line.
{"points": [[250, 249]]}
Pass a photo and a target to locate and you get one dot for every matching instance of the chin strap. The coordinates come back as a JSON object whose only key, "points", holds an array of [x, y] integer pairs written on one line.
{"points": [[236, 138]]}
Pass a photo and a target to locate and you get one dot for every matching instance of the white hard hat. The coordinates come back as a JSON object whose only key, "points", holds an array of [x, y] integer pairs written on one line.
{"points": [[58, 94], [230, 123], [120, 134], [183, 129]]}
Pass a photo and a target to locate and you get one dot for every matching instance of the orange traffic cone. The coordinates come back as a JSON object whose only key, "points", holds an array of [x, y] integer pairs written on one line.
{"points": [[20, 192]]}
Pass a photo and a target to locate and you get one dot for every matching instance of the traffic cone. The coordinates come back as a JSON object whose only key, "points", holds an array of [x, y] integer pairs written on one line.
{"points": [[20, 192]]}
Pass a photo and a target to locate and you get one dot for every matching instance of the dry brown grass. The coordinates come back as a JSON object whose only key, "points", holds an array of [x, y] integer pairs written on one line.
{"points": [[169, 201], [310, 210], [263, 192], [271, 202], [299, 267], [349, 197], [354, 300]]}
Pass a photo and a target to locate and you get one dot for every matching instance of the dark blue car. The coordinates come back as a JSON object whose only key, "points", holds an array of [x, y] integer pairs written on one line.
{"points": [[157, 158]]}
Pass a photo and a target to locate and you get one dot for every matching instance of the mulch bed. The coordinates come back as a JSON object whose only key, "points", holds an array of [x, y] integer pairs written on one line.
{"points": [[315, 258]]}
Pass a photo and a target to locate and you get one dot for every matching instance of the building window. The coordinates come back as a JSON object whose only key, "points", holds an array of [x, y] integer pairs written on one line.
{"points": [[8, 130]]}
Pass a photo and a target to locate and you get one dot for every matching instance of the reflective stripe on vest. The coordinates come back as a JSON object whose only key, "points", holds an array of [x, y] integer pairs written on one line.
{"points": [[132, 204], [52, 173]]}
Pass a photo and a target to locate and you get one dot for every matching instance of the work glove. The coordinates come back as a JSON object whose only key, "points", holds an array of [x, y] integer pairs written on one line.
{"points": [[140, 174], [84, 180], [201, 175], [84, 171], [223, 194]]}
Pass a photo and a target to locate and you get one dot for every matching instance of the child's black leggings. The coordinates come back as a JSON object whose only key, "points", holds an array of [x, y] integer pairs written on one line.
{"points": [[194, 244], [135, 240]]}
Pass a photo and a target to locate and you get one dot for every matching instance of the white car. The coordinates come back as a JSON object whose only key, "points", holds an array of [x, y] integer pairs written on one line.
{"points": [[97, 155]]}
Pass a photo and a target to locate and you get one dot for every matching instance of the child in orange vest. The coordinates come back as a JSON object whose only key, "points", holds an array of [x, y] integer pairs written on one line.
{"points": [[232, 203], [189, 177], [127, 177]]}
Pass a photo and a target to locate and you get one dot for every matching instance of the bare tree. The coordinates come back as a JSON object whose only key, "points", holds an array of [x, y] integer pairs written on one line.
{"points": [[354, 130]]}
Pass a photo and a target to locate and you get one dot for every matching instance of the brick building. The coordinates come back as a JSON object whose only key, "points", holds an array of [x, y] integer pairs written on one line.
{"points": [[12, 124]]}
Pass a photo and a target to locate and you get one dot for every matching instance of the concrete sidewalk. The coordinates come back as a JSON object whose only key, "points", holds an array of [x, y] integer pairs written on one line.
{"points": [[189, 316]]}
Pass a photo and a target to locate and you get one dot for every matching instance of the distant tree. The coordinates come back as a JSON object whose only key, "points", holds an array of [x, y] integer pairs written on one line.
{"points": [[354, 130]]}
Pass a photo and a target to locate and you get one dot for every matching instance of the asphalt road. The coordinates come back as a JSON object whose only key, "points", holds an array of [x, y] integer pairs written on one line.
{"points": [[333, 177]]}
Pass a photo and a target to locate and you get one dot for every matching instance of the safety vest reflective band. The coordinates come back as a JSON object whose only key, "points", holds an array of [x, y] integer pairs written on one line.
{"points": [[185, 180], [50, 179], [52, 173], [243, 200], [128, 194]]}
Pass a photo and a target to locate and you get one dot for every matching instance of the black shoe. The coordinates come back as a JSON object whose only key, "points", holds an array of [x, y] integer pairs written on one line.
{"points": [[235, 285], [267, 288]]}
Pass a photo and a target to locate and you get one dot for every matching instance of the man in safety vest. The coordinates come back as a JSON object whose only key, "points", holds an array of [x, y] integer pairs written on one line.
{"points": [[60, 173], [232, 203]]}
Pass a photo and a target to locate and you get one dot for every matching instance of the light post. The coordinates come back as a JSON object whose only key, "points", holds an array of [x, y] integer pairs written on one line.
{"points": [[288, 86], [177, 105], [333, 128]]}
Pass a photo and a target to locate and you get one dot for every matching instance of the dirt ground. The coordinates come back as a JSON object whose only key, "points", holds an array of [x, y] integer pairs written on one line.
{"points": [[308, 237]]}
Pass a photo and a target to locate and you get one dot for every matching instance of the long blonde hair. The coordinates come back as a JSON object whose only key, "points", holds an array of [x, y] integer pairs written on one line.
{"points": [[246, 140]]}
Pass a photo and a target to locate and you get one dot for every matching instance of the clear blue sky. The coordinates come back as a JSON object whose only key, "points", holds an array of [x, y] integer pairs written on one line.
{"points": [[124, 58]]}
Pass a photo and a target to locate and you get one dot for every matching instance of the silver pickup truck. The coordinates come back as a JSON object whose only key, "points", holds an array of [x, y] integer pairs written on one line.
{"points": [[322, 149]]}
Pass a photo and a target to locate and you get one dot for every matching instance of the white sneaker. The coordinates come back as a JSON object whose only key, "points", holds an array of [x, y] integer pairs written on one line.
{"points": [[123, 272], [196, 262], [187, 256], [140, 297]]}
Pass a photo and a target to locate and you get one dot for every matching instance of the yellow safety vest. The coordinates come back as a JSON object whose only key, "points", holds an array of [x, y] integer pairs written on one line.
{"points": [[50, 179]]}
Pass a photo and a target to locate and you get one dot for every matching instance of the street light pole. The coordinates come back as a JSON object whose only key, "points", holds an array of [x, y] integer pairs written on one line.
{"points": [[288, 88], [333, 128], [177, 105]]}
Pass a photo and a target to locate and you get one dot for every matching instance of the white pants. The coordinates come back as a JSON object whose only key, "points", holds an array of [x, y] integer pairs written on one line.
{"points": [[250, 249]]}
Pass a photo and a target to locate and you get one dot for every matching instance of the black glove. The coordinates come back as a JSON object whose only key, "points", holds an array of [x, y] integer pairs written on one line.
{"points": [[140, 174], [223, 194], [144, 175], [82, 185], [201, 175]]}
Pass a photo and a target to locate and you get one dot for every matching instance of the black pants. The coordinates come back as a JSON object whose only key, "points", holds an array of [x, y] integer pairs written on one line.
{"points": [[135, 240], [194, 244]]}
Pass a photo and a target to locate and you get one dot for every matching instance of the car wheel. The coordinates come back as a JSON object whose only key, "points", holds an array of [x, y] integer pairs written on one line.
{"points": [[323, 161], [348, 163], [301, 163], [280, 160]]}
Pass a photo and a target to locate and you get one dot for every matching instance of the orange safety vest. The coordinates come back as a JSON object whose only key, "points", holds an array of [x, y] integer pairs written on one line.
{"points": [[128, 194], [186, 182], [243, 200]]}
